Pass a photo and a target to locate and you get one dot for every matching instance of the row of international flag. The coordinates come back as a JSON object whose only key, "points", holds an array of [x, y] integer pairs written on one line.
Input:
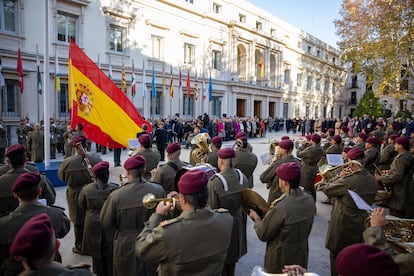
{"points": [[164, 84], [124, 81]]}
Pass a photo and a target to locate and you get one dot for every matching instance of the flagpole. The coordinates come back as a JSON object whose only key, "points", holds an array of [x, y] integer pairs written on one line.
{"points": [[46, 87], [55, 94], [37, 83]]}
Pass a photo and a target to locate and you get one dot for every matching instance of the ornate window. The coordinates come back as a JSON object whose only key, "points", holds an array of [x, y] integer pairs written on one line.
{"points": [[117, 38], [67, 27], [8, 16]]}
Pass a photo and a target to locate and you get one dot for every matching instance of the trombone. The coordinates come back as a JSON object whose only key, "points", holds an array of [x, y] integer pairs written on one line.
{"points": [[150, 201]]}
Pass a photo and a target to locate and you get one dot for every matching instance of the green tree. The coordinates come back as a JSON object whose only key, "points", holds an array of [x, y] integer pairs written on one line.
{"points": [[370, 105], [377, 37]]}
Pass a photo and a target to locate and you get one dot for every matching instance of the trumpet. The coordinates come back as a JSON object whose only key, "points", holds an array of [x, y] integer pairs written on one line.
{"points": [[150, 201], [328, 173]]}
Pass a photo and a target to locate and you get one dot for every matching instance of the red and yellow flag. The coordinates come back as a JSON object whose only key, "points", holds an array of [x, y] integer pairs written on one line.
{"points": [[108, 116]]}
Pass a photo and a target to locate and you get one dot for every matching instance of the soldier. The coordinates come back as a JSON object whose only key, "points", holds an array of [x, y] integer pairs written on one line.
{"points": [[400, 180], [246, 160], [165, 174], [92, 198], [16, 155], [171, 243], [310, 157], [3, 141], [334, 148], [347, 221], [123, 216], [288, 223], [224, 192], [212, 157], [35, 144], [152, 157], [75, 174], [36, 245], [360, 142], [21, 133], [68, 137], [269, 175], [344, 132], [60, 129], [161, 139], [242, 136], [371, 155], [26, 190], [388, 153], [54, 139]]}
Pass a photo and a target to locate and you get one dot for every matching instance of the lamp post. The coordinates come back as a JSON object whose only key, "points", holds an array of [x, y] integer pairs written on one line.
{"points": [[385, 102]]}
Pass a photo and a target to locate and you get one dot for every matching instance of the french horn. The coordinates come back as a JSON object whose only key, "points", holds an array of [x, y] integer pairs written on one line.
{"points": [[201, 141]]}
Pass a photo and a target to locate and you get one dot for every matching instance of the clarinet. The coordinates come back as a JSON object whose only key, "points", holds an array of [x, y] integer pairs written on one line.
{"points": [[85, 159]]}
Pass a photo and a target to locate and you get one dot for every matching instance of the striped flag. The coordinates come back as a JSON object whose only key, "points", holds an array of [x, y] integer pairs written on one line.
{"points": [[164, 86], [133, 82], [210, 88], [144, 81], [153, 88], [57, 73], [196, 87], [86, 81], [123, 84], [171, 85], [20, 71], [188, 84], [39, 75], [180, 87]]}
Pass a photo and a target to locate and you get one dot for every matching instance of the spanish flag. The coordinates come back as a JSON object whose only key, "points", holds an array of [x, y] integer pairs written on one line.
{"points": [[108, 117]]}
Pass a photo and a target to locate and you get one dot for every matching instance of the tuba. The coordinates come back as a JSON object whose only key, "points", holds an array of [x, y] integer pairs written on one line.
{"points": [[274, 150], [201, 141]]}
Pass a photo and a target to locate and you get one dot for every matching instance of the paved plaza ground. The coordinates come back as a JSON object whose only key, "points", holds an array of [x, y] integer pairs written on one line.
{"points": [[318, 255]]}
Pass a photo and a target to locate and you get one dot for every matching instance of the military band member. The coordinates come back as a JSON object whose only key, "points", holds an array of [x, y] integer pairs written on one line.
{"points": [[243, 136], [269, 175], [344, 132], [388, 153], [246, 160], [36, 245], [68, 135], [400, 180], [3, 141], [196, 242], [35, 144], [360, 141], [54, 139], [310, 157], [379, 133], [16, 155], [165, 174], [92, 198], [123, 216], [75, 174], [371, 155], [334, 148], [26, 189], [347, 221], [288, 223], [212, 157], [151, 156], [224, 192]]}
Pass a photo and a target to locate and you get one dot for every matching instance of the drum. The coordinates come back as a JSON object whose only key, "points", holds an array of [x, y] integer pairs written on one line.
{"points": [[209, 169]]}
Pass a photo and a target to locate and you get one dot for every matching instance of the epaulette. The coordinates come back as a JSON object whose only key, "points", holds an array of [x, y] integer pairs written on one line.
{"points": [[170, 221], [221, 210]]}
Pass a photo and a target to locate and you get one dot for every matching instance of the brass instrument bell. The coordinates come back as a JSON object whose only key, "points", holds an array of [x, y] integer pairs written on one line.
{"points": [[150, 201]]}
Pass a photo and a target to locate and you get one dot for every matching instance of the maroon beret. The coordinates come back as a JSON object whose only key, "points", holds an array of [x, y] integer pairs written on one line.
{"points": [[308, 137], [346, 149], [356, 153], [35, 236], [322, 135], [331, 131], [288, 171], [380, 125], [364, 259], [337, 139], [144, 139], [26, 180], [372, 140], [316, 138], [285, 138], [192, 182], [173, 147], [15, 150], [403, 140], [226, 153], [363, 136], [134, 162], [286, 144], [100, 166], [216, 139], [79, 139], [241, 135], [393, 137], [344, 129]]}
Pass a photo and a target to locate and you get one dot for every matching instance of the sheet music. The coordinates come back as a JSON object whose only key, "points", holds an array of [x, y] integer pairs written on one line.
{"points": [[133, 143], [334, 159], [360, 203], [266, 158]]}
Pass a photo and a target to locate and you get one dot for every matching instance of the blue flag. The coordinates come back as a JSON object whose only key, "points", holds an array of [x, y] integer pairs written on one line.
{"points": [[210, 89], [154, 88]]}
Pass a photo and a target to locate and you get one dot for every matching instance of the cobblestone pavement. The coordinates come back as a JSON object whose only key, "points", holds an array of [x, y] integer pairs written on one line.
{"points": [[318, 255]]}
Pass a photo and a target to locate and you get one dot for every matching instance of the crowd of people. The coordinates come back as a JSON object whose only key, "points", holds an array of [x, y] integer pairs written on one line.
{"points": [[199, 224]]}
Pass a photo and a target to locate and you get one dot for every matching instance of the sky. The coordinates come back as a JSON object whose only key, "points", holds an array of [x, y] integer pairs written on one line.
{"points": [[312, 16]]}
